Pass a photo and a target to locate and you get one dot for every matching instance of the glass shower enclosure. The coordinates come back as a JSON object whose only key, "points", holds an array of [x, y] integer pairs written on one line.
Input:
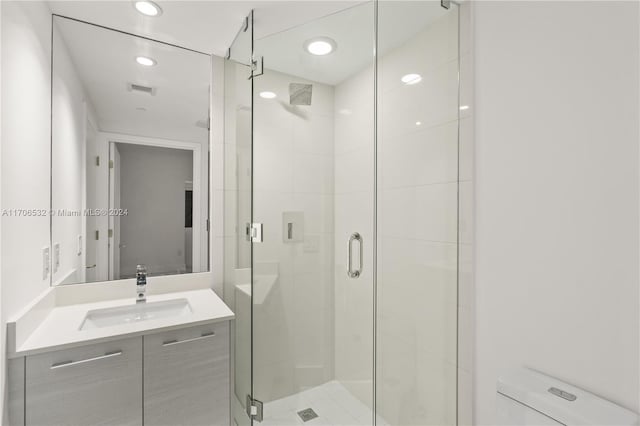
{"points": [[341, 185]]}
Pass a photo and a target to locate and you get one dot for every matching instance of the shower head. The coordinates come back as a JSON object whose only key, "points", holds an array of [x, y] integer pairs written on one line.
{"points": [[300, 94]]}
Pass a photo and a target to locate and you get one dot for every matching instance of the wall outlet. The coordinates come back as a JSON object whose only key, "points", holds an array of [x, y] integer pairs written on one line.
{"points": [[56, 257], [46, 262]]}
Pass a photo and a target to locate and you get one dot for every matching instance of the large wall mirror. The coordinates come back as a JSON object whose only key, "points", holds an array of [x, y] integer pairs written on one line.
{"points": [[130, 155]]}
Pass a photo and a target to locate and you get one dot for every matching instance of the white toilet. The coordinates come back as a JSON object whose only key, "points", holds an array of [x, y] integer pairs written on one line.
{"points": [[526, 397]]}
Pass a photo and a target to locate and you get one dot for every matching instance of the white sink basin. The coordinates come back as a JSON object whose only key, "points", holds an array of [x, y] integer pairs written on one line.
{"points": [[128, 314]]}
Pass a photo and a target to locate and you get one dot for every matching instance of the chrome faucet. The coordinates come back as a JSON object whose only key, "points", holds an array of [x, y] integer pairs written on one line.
{"points": [[141, 283]]}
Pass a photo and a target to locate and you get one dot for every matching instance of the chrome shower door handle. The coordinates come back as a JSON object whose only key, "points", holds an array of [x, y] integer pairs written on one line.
{"points": [[350, 271]]}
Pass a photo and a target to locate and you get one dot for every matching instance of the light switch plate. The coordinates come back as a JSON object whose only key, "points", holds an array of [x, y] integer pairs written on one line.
{"points": [[45, 262], [79, 250], [56, 257]]}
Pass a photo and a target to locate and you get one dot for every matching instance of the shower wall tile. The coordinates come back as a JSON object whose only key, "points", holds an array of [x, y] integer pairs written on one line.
{"points": [[424, 212], [467, 150], [318, 211], [354, 212], [218, 166], [230, 166], [272, 168], [423, 157], [230, 247], [354, 170], [354, 110], [436, 208], [230, 202], [466, 297], [217, 213], [465, 399], [271, 131], [313, 174], [466, 212], [436, 45], [467, 91], [293, 171], [428, 102], [465, 356], [310, 134], [465, 280]]}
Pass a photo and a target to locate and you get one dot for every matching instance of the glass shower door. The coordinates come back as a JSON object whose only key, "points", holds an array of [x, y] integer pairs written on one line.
{"points": [[313, 194], [354, 205], [236, 198], [417, 206]]}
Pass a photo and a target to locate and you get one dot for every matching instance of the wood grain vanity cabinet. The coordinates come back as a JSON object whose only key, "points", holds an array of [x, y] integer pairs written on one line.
{"points": [[186, 376], [178, 377], [97, 384]]}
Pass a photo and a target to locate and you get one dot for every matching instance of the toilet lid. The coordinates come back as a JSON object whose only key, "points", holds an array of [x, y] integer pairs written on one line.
{"points": [[561, 401]]}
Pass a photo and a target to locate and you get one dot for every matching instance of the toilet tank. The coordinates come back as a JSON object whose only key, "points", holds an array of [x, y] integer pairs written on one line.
{"points": [[527, 397]]}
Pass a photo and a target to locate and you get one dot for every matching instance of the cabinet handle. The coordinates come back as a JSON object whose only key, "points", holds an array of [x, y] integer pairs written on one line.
{"points": [[177, 342], [64, 364]]}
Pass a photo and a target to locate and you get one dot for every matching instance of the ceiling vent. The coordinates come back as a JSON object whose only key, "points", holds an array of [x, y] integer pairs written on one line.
{"points": [[132, 87]]}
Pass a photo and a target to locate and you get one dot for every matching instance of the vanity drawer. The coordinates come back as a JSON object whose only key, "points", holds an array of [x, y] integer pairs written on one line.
{"points": [[98, 384], [186, 376]]}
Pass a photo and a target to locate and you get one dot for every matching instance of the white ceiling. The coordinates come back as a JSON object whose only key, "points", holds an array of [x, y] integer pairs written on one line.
{"points": [[105, 62], [206, 26], [353, 32], [105, 59], [210, 26]]}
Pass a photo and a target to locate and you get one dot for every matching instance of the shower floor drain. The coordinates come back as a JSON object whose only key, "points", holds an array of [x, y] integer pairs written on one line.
{"points": [[307, 414]]}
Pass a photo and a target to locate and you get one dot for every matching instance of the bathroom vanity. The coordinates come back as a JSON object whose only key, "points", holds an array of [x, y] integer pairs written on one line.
{"points": [[128, 183], [82, 357]]}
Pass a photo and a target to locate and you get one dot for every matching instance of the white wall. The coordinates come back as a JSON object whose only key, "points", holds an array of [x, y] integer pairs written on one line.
{"points": [[71, 107], [215, 157], [153, 191], [557, 195], [26, 88]]}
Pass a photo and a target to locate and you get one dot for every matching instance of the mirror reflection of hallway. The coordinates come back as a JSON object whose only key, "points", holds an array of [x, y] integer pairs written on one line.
{"points": [[101, 95], [153, 188]]}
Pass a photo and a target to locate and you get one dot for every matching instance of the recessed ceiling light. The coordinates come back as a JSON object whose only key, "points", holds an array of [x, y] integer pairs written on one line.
{"points": [[320, 46], [267, 95], [463, 107], [147, 8], [418, 123], [345, 111], [411, 79], [147, 62]]}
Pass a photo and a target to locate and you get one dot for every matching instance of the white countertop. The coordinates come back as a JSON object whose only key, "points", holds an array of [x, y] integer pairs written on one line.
{"points": [[60, 326]]}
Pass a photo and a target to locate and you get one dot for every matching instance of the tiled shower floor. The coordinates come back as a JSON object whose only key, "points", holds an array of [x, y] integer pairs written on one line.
{"points": [[332, 402]]}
